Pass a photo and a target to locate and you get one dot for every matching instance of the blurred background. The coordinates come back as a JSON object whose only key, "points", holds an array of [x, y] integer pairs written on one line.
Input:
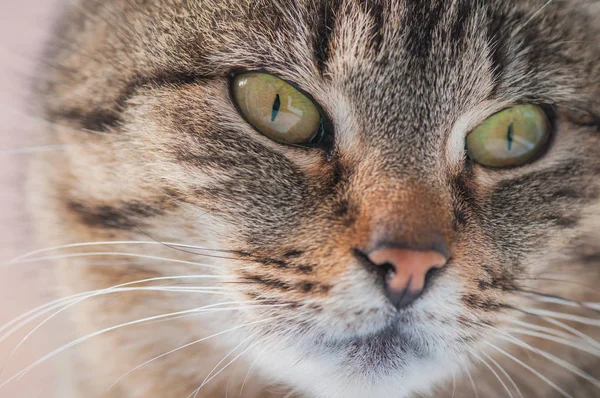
{"points": [[24, 25]]}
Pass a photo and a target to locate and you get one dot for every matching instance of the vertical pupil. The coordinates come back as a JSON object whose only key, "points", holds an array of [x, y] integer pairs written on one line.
{"points": [[276, 106], [510, 135]]}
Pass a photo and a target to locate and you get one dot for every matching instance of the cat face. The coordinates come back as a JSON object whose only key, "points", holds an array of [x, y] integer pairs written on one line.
{"points": [[399, 86]]}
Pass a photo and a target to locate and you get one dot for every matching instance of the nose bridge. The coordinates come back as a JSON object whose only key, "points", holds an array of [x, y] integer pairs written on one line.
{"points": [[406, 224], [404, 212]]}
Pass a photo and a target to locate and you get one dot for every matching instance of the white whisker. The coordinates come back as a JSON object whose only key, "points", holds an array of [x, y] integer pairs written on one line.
{"points": [[570, 303], [35, 313], [183, 347], [109, 290], [45, 308], [540, 328], [121, 242], [559, 340], [570, 336], [32, 149], [118, 254], [472, 382], [201, 310], [251, 368], [532, 370], [535, 14], [289, 394], [566, 365], [561, 315], [504, 372], [208, 376], [206, 381], [583, 336], [493, 371], [556, 360], [453, 382]]}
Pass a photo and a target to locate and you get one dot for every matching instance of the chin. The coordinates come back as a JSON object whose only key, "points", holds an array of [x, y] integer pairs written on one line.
{"points": [[396, 361], [365, 369]]}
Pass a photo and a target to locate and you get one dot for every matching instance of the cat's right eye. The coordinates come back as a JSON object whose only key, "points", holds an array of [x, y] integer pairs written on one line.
{"points": [[277, 109]]}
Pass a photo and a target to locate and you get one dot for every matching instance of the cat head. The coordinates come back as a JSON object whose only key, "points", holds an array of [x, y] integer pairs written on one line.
{"points": [[330, 228]]}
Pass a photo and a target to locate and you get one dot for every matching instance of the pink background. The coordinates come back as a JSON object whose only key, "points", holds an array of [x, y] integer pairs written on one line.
{"points": [[23, 26]]}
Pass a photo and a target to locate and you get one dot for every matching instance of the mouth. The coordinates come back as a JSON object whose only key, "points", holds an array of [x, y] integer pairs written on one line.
{"points": [[389, 349]]}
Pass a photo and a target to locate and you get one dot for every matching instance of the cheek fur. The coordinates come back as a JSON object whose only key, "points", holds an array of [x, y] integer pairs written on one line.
{"points": [[208, 241]]}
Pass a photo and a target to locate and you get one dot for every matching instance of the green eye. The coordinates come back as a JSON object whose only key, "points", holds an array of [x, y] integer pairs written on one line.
{"points": [[509, 138], [276, 109]]}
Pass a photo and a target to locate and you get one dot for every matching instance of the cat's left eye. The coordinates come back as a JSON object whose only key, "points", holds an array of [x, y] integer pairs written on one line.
{"points": [[277, 109], [510, 138]]}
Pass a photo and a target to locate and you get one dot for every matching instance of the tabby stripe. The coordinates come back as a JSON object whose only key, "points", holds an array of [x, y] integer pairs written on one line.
{"points": [[375, 11], [498, 36], [98, 120], [464, 10], [481, 303], [268, 281], [122, 216], [102, 120], [421, 21], [324, 26]]}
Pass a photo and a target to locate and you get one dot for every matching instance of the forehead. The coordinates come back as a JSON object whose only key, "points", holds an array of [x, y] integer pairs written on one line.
{"points": [[409, 69], [384, 71], [401, 69]]}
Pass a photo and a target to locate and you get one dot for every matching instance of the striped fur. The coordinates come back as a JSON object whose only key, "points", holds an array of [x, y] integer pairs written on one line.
{"points": [[138, 90]]}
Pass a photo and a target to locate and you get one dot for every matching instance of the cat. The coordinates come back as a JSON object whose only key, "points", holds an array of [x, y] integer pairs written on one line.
{"points": [[320, 198]]}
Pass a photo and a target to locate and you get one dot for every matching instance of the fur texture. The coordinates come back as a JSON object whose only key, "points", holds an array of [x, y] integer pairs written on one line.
{"points": [[138, 91]]}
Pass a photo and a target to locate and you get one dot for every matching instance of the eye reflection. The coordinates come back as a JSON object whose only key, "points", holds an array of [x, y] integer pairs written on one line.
{"points": [[275, 108], [509, 138]]}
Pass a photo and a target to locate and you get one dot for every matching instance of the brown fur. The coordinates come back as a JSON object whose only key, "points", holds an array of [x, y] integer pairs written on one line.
{"points": [[138, 91]]}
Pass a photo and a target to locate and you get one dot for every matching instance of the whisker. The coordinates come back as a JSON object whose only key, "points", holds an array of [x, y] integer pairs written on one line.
{"points": [[107, 291], [470, 376], [561, 315], [551, 298], [453, 382], [228, 364], [31, 149], [558, 361], [574, 332], [535, 14], [201, 310], [52, 304], [177, 247], [117, 242], [560, 281], [532, 370], [540, 328], [504, 372], [35, 313], [251, 368], [493, 372], [184, 347], [570, 303], [555, 339], [208, 376], [118, 254]]}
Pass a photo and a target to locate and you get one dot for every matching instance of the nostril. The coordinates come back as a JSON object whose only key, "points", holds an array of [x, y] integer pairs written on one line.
{"points": [[405, 272], [387, 271], [430, 276]]}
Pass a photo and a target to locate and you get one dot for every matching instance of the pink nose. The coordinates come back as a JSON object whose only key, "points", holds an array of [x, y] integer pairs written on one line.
{"points": [[406, 271]]}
